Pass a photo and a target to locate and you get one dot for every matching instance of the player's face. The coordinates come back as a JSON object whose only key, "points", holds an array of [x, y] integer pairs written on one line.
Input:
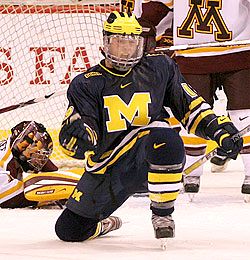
{"points": [[124, 51], [124, 46]]}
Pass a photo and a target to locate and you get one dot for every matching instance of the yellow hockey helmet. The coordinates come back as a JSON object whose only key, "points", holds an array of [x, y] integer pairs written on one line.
{"points": [[122, 23], [122, 41]]}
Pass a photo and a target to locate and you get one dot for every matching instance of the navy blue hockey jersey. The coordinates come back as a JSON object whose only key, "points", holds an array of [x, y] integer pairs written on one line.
{"points": [[115, 104]]}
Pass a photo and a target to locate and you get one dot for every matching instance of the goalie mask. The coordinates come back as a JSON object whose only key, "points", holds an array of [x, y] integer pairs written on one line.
{"points": [[123, 44], [31, 145]]}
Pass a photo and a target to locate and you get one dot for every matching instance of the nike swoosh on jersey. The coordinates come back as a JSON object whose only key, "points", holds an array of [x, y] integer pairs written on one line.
{"points": [[221, 119], [124, 86], [242, 118], [156, 146]]}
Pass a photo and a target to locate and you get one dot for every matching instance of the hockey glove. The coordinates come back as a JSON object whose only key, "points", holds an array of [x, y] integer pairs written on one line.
{"points": [[223, 131], [76, 137]]}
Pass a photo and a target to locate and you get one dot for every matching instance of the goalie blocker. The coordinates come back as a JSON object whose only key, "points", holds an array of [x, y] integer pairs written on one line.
{"points": [[27, 176]]}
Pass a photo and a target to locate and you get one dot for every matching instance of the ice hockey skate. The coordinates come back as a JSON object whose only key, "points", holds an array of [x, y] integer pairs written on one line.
{"points": [[164, 228], [110, 224], [245, 189], [191, 186], [219, 163]]}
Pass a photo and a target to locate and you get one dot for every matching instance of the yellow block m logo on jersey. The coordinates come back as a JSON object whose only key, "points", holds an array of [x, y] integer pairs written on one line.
{"points": [[76, 195], [136, 112], [204, 22]]}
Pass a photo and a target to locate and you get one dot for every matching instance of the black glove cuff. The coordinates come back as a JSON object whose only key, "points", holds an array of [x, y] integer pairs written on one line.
{"points": [[219, 126]]}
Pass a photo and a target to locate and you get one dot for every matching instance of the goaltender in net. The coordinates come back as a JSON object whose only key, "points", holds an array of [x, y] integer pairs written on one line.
{"points": [[28, 178]]}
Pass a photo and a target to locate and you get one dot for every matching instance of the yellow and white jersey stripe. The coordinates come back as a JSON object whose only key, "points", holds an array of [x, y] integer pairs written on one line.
{"points": [[198, 110], [212, 51], [125, 145]]}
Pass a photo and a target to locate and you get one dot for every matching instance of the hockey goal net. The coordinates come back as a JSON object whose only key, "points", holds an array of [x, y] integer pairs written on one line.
{"points": [[43, 45]]}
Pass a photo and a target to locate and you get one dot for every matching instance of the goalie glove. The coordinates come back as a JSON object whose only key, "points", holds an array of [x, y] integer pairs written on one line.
{"points": [[76, 137], [223, 131]]}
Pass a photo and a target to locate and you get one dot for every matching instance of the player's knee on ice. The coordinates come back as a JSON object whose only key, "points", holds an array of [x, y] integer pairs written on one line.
{"points": [[71, 227], [165, 147]]}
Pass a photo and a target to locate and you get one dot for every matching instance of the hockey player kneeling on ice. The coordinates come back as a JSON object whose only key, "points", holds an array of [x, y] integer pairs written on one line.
{"points": [[115, 120], [27, 175]]}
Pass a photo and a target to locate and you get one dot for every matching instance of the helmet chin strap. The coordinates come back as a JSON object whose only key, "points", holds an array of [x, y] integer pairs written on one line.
{"points": [[108, 63], [102, 51]]}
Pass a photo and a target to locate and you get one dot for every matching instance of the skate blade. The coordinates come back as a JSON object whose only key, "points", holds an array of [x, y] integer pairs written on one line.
{"points": [[182, 190], [191, 197], [247, 198], [163, 243]]}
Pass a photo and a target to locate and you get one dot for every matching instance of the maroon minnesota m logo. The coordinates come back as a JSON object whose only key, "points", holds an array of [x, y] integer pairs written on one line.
{"points": [[127, 5], [198, 22]]}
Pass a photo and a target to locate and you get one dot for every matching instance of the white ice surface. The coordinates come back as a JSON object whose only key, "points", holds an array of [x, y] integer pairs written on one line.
{"points": [[216, 225]]}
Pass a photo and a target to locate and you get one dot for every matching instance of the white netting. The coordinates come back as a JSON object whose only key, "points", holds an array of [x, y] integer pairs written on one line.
{"points": [[43, 45]]}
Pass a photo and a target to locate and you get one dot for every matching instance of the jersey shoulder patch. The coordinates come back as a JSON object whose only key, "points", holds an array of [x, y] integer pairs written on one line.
{"points": [[92, 74]]}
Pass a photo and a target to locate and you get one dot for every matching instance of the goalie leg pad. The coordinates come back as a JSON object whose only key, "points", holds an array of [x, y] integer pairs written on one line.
{"points": [[41, 193], [49, 186]]}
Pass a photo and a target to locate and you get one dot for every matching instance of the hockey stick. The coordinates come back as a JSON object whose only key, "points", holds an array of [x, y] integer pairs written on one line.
{"points": [[202, 45], [212, 153], [32, 101]]}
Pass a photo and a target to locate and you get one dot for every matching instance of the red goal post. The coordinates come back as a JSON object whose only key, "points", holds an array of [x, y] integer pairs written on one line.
{"points": [[43, 45]]}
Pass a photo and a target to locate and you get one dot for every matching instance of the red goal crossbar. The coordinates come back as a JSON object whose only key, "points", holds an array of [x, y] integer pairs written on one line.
{"points": [[29, 9]]}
